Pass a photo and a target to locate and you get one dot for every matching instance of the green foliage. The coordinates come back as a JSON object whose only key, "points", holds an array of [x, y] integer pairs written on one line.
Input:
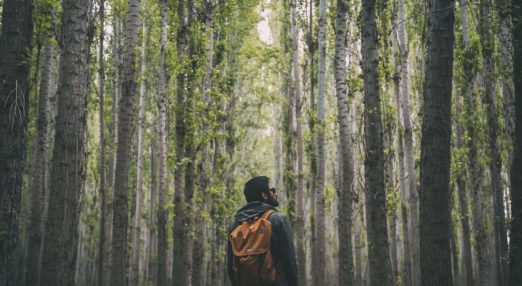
{"points": [[393, 201]]}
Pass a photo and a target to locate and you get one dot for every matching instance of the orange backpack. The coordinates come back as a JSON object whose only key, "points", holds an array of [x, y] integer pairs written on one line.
{"points": [[252, 263]]}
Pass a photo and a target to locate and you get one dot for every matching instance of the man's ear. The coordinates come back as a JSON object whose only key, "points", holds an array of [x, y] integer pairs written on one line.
{"points": [[264, 196]]}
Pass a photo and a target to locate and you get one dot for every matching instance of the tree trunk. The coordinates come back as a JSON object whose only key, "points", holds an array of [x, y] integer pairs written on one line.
{"points": [[15, 41], [179, 274], [125, 132], [495, 162], [290, 83], [151, 277], [319, 257], [200, 225], [515, 247], [299, 198], [466, 269], [68, 165], [346, 274], [136, 237], [42, 158], [412, 196], [505, 61], [161, 273], [403, 193], [113, 128], [378, 251], [470, 115], [435, 232], [102, 174]]}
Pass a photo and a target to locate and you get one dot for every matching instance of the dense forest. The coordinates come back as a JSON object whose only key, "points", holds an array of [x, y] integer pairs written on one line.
{"points": [[392, 131]]}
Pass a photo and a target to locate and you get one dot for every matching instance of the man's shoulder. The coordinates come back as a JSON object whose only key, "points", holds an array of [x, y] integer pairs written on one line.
{"points": [[276, 218]]}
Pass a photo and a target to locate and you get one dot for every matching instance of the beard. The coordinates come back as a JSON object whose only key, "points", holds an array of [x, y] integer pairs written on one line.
{"points": [[273, 202]]}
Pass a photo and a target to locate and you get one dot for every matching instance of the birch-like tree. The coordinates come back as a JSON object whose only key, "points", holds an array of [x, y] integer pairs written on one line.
{"points": [[319, 255], [380, 272], [15, 45], [346, 274], [68, 166], [39, 183], [515, 247], [435, 231], [123, 152]]}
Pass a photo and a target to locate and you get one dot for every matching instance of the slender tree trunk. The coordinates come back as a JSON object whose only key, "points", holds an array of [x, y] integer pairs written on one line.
{"points": [[470, 114], [299, 199], [190, 149], [151, 266], [319, 257], [290, 83], [435, 232], [102, 173], [40, 170], [515, 247], [466, 269], [113, 128], [312, 123], [68, 165], [412, 196], [378, 251], [505, 63], [136, 237], [200, 228], [495, 162], [162, 135], [15, 41], [179, 275], [403, 206], [346, 272], [454, 248], [125, 131]]}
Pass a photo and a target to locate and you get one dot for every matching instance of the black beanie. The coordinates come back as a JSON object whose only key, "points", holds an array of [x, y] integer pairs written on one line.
{"points": [[254, 187]]}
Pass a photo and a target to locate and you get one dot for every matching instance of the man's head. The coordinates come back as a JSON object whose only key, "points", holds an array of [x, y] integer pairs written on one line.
{"points": [[258, 189]]}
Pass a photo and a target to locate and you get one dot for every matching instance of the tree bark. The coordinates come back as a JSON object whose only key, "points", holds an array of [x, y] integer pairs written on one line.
{"points": [[412, 196], [299, 198], [346, 271], [505, 63], [380, 271], [204, 164], [466, 268], [151, 265], [113, 129], [102, 173], [68, 165], [403, 193], [123, 155], [515, 247], [38, 186], [190, 149], [319, 257], [495, 162], [179, 274], [162, 136], [435, 147], [15, 41], [136, 236], [469, 71]]}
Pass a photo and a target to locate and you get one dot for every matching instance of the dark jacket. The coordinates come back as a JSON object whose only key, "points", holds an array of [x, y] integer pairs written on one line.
{"points": [[281, 243]]}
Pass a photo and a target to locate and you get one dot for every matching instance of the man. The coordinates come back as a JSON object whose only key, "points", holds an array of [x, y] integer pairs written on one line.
{"points": [[260, 199]]}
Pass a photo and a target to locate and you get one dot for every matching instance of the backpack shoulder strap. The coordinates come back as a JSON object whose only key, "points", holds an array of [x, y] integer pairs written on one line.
{"points": [[267, 214]]}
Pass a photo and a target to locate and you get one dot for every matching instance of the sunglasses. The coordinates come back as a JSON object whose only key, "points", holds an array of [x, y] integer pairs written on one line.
{"points": [[273, 190]]}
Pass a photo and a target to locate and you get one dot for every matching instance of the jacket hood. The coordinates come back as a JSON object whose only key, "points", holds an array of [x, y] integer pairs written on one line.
{"points": [[252, 210]]}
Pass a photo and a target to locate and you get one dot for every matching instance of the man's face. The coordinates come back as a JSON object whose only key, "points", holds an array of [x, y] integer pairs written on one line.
{"points": [[270, 197]]}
